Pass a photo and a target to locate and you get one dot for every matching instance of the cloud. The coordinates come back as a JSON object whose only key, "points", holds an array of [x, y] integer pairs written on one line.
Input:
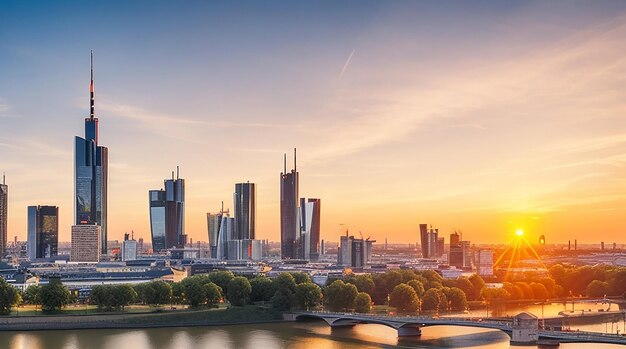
{"points": [[345, 66]]}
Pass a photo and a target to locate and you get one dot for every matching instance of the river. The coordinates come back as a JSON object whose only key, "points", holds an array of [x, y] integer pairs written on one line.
{"points": [[304, 335]]}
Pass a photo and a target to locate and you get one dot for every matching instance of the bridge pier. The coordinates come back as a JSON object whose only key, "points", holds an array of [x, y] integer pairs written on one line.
{"points": [[409, 331]]}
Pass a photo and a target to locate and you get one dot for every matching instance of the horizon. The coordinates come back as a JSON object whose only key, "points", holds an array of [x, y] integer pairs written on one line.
{"points": [[482, 117]]}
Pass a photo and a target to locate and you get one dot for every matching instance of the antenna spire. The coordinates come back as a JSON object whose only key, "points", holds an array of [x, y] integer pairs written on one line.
{"points": [[4, 178], [91, 89], [285, 164], [294, 160]]}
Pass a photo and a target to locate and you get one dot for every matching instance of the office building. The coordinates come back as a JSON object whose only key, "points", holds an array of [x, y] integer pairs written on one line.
{"points": [[485, 262], [245, 211], [289, 215], [467, 254], [441, 242], [225, 234], [455, 253], [252, 250], [429, 240], [129, 248], [355, 253], [167, 214], [424, 240], [4, 216], [86, 243], [42, 231], [91, 174], [309, 237]]}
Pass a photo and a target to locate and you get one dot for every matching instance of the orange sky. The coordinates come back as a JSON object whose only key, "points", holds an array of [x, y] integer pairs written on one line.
{"points": [[484, 120]]}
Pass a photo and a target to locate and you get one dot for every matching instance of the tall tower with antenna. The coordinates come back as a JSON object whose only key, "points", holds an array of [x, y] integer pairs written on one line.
{"points": [[289, 210], [4, 215], [91, 169]]}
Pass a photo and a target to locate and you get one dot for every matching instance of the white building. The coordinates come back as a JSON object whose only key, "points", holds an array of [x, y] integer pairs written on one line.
{"points": [[86, 242], [129, 249], [484, 262]]}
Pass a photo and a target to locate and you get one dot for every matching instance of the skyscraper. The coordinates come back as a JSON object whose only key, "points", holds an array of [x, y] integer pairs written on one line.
{"points": [[129, 248], [217, 233], [424, 240], [309, 238], [43, 231], [167, 214], [4, 210], [86, 242], [289, 225], [245, 211], [91, 174]]}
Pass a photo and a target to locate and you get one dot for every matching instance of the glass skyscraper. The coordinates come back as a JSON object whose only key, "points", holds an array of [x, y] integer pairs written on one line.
{"points": [[43, 231], [309, 239], [4, 210], [289, 223], [91, 174], [167, 214], [245, 211]]}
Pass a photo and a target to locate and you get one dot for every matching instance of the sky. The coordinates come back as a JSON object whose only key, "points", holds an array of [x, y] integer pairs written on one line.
{"points": [[483, 117]]}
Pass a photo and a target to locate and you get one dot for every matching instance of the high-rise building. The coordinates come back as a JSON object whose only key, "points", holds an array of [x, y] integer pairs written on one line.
{"points": [[441, 242], [4, 215], [43, 231], [86, 243], [289, 225], [245, 211], [225, 234], [424, 240], [217, 240], [467, 254], [91, 174], [355, 253], [309, 237], [485, 262], [455, 254], [167, 214], [129, 248], [433, 236]]}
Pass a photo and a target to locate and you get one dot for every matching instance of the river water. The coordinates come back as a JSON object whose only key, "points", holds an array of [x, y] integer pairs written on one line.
{"points": [[304, 335]]}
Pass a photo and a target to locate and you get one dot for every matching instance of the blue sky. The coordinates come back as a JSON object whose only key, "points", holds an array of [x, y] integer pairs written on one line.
{"points": [[482, 116]]}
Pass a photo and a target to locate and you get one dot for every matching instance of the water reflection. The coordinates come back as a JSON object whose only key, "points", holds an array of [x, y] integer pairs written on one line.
{"points": [[301, 335]]}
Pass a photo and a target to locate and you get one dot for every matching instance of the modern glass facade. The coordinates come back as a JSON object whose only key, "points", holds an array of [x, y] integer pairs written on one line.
{"points": [[245, 211], [167, 215], [43, 231], [91, 175], [309, 239], [4, 215]]}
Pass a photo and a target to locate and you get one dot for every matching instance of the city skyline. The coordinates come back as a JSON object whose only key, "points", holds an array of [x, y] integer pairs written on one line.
{"points": [[526, 133]]}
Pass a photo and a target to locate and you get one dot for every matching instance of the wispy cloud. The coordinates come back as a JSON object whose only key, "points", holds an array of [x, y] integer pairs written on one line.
{"points": [[345, 65]]}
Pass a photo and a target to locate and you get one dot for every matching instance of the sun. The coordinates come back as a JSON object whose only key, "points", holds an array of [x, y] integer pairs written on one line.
{"points": [[519, 232]]}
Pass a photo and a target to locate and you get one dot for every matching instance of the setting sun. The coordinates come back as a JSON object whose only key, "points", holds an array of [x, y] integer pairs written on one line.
{"points": [[519, 232]]}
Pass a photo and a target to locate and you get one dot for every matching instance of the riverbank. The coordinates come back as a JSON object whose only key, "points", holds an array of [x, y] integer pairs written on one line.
{"points": [[175, 318]]}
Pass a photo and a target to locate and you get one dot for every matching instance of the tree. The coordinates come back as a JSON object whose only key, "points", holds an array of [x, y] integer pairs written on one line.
{"points": [[285, 282], [262, 289], [54, 296], [158, 292], [364, 283], [239, 290], [340, 296], [404, 298], [195, 292], [32, 295], [465, 285], [478, 284], [495, 296], [457, 298], [123, 295], [221, 279], [597, 288], [282, 300], [363, 303], [539, 291], [418, 287], [301, 277], [213, 294], [432, 300], [308, 295], [9, 297], [178, 293]]}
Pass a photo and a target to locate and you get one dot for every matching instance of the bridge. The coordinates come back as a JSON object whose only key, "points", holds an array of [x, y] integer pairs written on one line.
{"points": [[411, 326]]}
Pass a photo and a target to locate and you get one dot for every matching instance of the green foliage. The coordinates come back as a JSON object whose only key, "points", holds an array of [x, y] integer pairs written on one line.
{"points": [[433, 300], [285, 282], [54, 296], [178, 293], [32, 295], [239, 291], [221, 279], [404, 298], [154, 293], [195, 291], [364, 283], [340, 296], [495, 296], [384, 284], [282, 300], [478, 284], [456, 298], [363, 303], [539, 291], [418, 287], [597, 288], [262, 289], [213, 294], [113, 297], [301, 277], [308, 295], [9, 297]]}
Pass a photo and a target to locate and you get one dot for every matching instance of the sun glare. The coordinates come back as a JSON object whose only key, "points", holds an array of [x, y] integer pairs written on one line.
{"points": [[519, 232]]}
